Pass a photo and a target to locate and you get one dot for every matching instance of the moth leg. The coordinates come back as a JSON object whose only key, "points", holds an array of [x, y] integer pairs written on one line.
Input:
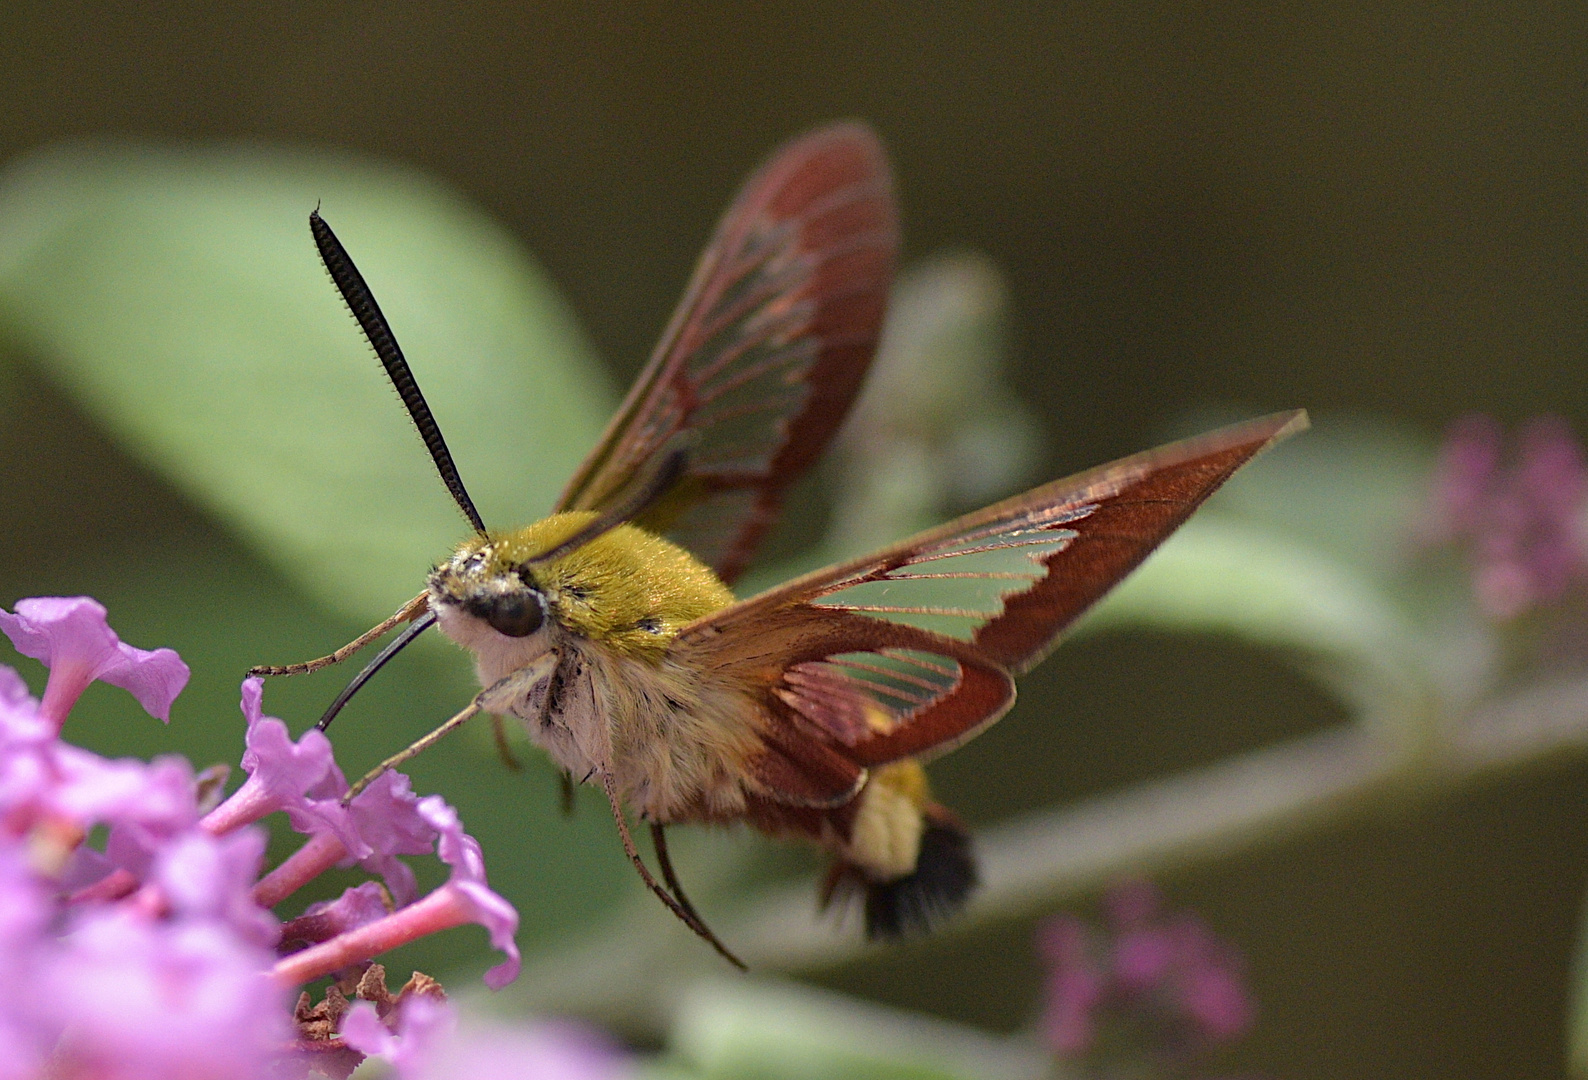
{"points": [[659, 842], [522, 678], [552, 702], [499, 733], [684, 913], [407, 613]]}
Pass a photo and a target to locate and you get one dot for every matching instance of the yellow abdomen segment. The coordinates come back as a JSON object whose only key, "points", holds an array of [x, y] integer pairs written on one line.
{"points": [[886, 838]]}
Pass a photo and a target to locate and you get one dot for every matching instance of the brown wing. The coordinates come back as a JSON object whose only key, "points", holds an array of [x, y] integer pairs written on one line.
{"points": [[912, 650], [767, 351]]}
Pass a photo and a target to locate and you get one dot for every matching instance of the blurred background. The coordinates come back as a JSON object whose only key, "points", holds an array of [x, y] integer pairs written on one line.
{"points": [[1374, 212]]}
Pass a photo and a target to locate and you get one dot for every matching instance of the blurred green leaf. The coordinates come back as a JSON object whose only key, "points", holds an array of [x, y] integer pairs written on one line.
{"points": [[743, 1030], [1351, 486], [1222, 575], [1309, 550], [178, 297]]}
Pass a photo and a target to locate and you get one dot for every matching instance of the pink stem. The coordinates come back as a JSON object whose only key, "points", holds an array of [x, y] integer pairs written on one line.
{"points": [[68, 680], [322, 852], [113, 886], [149, 901], [246, 805], [441, 910]]}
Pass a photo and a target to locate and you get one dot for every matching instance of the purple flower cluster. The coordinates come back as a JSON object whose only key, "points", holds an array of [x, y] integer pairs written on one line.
{"points": [[427, 1045], [1522, 521], [157, 955], [1147, 994]]}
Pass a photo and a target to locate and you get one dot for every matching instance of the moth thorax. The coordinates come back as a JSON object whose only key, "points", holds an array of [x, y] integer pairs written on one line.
{"points": [[628, 589]]}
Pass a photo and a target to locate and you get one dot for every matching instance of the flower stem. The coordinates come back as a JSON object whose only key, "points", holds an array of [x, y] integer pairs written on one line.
{"points": [[113, 886], [311, 860], [68, 680], [246, 805], [441, 910]]}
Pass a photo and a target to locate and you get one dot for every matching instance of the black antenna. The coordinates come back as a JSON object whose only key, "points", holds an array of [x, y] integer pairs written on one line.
{"points": [[657, 485], [398, 643], [362, 304]]}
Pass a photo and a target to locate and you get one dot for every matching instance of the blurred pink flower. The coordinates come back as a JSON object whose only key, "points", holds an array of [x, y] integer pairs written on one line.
{"points": [[429, 1045], [143, 999], [211, 878], [1522, 524], [1151, 986]]}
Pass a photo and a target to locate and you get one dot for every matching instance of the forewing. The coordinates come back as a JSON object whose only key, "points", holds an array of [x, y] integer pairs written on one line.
{"points": [[911, 650], [767, 351]]}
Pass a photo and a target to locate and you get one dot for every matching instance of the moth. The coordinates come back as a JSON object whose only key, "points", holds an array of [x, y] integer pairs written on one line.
{"points": [[609, 629]]}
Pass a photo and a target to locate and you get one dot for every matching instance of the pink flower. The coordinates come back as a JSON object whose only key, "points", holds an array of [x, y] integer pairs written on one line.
{"points": [[140, 999], [1523, 525], [358, 906], [72, 638], [26, 914], [430, 1045], [1074, 986], [153, 958], [211, 878], [423, 1024], [302, 780], [282, 774], [1160, 988], [465, 898], [43, 779], [388, 822], [462, 852]]}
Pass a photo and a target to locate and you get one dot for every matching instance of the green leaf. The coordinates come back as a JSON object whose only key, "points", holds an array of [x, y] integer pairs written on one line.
{"points": [[1309, 549], [177, 295], [1351, 486], [1222, 575], [763, 1031]]}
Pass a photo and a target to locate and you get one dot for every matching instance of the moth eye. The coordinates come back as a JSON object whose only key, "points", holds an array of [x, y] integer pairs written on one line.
{"points": [[650, 624], [517, 615]]}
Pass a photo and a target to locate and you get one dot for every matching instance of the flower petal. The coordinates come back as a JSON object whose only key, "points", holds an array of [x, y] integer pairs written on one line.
{"points": [[461, 851], [387, 819], [71, 636], [424, 1024], [208, 877]]}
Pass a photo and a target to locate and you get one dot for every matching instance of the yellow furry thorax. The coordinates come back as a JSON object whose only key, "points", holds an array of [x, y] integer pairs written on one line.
{"points": [[628, 589]]}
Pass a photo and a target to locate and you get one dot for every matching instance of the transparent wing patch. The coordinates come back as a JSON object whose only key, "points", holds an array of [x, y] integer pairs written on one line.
{"points": [[960, 584]]}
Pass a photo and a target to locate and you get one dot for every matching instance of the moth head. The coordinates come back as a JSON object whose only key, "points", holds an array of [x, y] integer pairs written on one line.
{"points": [[483, 581], [627, 588]]}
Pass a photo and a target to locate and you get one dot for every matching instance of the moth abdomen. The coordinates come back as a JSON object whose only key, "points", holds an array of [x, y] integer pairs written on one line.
{"points": [[906, 859], [944, 877]]}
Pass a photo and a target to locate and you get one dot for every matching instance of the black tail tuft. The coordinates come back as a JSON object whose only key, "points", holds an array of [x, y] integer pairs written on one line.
{"points": [[944, 878]]}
